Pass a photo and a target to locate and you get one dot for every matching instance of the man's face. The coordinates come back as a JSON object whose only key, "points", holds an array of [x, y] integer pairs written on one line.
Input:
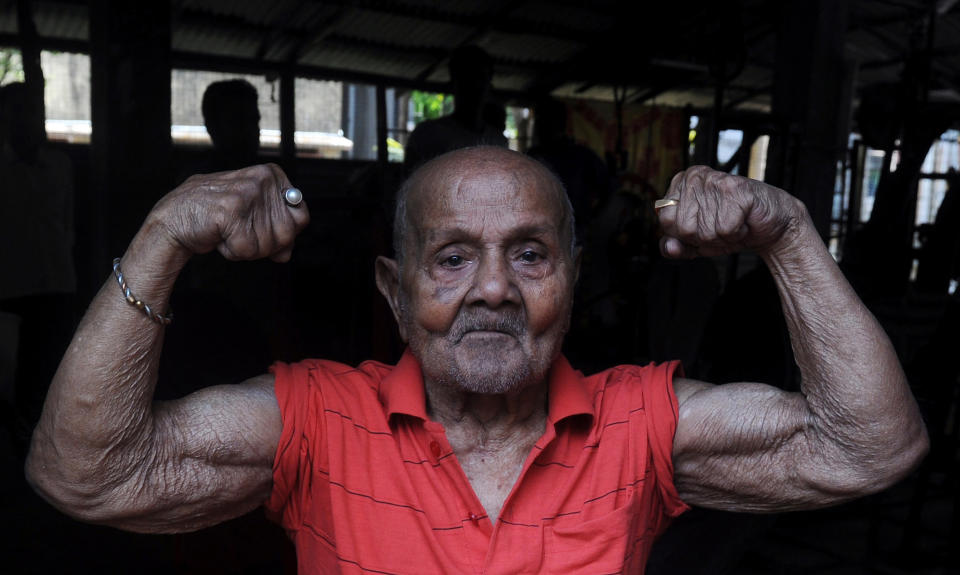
{"points": [[486, 287]]}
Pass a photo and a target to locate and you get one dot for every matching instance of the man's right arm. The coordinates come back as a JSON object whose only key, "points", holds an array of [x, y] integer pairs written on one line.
{"points": [[104, 451]]}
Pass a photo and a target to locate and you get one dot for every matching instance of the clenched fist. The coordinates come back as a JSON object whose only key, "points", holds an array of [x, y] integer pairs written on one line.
{"points": [[718, 213], [241, 214]]}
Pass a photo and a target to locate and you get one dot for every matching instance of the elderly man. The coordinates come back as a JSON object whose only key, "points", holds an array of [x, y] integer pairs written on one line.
{"points": [[482, 450]]}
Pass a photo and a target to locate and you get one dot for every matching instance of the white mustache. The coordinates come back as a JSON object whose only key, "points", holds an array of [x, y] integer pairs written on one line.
{"points": [[510, 323]]}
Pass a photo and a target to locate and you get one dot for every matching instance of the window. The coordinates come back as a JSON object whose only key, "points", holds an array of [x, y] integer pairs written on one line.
{"points": [[11, 66], [66, 95], [728, 143], [186, 98], [66, 91], [943, 156], [518, 128], [335, 120], [692, 136], [758, 158], [406, 109], [872, 170]]}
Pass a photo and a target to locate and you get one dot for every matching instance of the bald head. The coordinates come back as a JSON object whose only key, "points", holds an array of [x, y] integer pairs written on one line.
{"points": [[451, 169]]}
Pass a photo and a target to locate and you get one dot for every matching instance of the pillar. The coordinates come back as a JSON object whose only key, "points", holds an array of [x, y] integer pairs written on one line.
{"points": [[130, 93], [811, 103]]}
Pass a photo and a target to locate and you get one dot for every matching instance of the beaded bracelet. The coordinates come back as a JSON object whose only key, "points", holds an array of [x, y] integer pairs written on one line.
{"points": [[162, 319]]}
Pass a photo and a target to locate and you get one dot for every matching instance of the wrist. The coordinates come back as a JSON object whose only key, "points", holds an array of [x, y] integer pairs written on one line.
{"points": [[798, 240], [154, 259], [159, 244]]}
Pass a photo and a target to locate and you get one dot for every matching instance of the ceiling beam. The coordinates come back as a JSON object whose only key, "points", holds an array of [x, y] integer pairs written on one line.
{"points": [[321, 32], [288, 19], [197, 61], [334, 39], [747, 96], [498, 12], [47, 43], [191, 17], [435, 12], [650, 94]]}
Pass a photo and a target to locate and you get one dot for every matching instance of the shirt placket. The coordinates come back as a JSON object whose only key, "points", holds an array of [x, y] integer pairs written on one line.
{"points": [[470, 513]]}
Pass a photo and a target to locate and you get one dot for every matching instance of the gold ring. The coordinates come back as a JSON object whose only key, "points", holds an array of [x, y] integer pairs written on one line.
{"points": [[664, 203]]}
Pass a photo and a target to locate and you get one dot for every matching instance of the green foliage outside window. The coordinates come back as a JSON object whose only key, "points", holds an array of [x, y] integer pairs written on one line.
{"points": [[430, 105], [11, 67]]}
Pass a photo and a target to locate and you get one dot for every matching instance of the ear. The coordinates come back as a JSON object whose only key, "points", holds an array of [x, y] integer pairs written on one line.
{"points": [[387, 274]]}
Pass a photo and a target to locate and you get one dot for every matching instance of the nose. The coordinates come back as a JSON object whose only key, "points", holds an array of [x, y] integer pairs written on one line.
{"points": [[493, 282]]}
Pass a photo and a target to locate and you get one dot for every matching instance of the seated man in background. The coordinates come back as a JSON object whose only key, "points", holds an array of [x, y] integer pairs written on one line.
{"points": [[482, 449], [470, 124]]}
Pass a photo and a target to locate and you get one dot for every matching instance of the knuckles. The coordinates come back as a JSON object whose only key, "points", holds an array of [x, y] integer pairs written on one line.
{"points": [[721, 212], [236, 212]]}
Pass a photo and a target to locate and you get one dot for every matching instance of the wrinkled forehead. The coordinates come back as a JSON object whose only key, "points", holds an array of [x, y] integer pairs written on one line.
{"points": [[465, 184]]}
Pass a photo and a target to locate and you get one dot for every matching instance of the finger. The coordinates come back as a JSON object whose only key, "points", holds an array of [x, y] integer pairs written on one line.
{"points": [[284, 221], [283, 233], [299, 214], [228, 253], [668, 213], [689, 223], [673, 248]]}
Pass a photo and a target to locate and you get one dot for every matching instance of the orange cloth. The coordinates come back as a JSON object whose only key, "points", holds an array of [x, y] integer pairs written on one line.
{"points": [[365, 482]]}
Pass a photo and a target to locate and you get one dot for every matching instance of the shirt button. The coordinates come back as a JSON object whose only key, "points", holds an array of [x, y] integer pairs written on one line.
{"points": [[435, 448], [474, 517]]}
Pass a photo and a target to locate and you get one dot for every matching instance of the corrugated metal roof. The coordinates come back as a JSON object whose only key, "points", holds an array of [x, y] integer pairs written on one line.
{"points": [[542, 16], [401, 30], [576, 48], [368, 60], [57, 20], [460, 7], [8, 18], [254, 12], [530, 48], [214, 41]]}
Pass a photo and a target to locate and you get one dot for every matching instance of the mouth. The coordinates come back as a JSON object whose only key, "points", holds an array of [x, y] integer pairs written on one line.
{"points": [[482, 334], [488, 327]]}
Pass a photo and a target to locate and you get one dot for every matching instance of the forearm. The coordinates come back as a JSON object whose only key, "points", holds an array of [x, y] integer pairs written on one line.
{"points": [[861, 410], [97, 420]]}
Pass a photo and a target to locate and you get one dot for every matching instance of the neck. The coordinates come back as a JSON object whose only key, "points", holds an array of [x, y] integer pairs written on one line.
{"points": [[493, 417]]}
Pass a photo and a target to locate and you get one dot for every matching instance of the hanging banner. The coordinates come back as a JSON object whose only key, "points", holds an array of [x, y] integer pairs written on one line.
{"points": [[653, 137]]}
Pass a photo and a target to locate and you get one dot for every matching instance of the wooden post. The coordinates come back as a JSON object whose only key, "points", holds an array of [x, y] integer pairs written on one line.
{"points": [[130, 97], [811, 103], [382, 150], [288, 121]]}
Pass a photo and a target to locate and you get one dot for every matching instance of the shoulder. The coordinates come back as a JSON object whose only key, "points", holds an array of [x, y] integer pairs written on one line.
{"points": [[687, 388], [637, 387], [313, 384], [649, 374], [320, 372], [428, 127]]}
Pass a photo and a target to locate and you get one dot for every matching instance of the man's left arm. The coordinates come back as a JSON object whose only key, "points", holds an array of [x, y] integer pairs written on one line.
{"points": [[854, 427]]}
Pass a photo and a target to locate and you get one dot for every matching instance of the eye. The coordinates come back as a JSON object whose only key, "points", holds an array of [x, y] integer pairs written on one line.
{"points": [[453, 261], [530, 257]]}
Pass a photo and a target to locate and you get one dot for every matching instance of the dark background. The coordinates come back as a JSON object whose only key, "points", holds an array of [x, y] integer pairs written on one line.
{"points": [[804, 73]]}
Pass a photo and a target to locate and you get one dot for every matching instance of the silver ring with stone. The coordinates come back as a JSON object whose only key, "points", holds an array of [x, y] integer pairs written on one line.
{"points": [[293, 197]]}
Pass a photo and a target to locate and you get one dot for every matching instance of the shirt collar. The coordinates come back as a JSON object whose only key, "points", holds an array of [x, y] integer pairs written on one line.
{"points": [[568, 395], [401, 391]]}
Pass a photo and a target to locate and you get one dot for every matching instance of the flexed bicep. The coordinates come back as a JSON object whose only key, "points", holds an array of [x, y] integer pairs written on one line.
{"points": [[753, 447], [208, 458]]}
